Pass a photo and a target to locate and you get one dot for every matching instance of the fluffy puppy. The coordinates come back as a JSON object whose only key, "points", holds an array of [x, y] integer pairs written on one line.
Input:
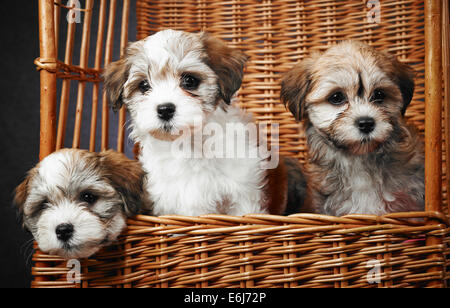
{"points": [[175, 82], [363, 157], [74, 202]]}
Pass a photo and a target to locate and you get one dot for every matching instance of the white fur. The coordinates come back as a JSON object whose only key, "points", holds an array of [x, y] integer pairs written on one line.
{"points": [[88, 230], [363, 188], [324, 114], [54, 168], [198, 184], [348, 131]]}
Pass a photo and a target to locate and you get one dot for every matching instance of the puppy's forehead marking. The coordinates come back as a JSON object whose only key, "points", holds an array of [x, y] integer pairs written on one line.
{"points": [[360, 86], [350, 67], [364, 62], [65, 170], [172, 51], [55, 168]]}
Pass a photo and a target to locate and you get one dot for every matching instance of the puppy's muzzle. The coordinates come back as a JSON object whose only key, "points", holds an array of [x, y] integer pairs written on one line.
{"points": [[365, 124], [166, 111], [64, 232]]}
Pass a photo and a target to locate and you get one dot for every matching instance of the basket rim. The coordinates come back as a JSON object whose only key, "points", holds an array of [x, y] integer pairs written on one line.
{"points": [[304, 218]]}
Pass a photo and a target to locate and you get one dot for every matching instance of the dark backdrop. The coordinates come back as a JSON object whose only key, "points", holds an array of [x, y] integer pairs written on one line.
{"points": [[19, 127]]}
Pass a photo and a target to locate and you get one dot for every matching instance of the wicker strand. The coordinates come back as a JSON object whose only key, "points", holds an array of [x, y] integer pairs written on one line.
{"points": [[96, 87], [84, 58], [73, 7], [224, 251]]}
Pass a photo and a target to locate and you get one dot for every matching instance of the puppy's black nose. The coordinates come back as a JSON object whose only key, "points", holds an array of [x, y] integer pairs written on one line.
{"points": [[166, 111], [64, 232], [366, 125]]}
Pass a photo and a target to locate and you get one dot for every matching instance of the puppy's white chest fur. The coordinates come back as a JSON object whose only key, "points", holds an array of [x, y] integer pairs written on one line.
{"points": [[360, 186], [362, 192], [196, 185]]}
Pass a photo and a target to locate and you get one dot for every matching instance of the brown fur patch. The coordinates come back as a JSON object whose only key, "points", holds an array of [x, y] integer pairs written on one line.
{"points": [[21, 193], [296, 186], [227, 63], [128, 178], [313, 190], [295, 85], [116, 74], [402, 74], [276, 189]]}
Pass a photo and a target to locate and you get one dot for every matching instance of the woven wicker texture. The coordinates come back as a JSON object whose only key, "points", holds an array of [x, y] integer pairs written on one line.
{"points": [[278, 34], [262, 251], [254, 251]]}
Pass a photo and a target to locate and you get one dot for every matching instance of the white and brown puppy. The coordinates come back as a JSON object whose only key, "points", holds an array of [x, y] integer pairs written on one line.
{"points": [[173, 82], [74, 202], [363, 157]]}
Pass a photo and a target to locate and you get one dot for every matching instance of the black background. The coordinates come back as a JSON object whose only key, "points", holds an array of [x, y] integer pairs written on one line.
{"points": [[19, 126]]}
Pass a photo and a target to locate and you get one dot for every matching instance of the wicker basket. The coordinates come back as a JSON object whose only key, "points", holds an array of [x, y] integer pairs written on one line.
{"points": [[303, 250]]}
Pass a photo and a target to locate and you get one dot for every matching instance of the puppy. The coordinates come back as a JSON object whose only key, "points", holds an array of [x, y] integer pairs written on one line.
{"points": [[363, 157], [175, 82], [74, 202]]}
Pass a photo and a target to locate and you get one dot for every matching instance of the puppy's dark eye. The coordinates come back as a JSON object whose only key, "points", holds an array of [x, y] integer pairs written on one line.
{"points": [[88, 197], [189, 82], [337, 98], [42, 206], [144, 86], [378, 96]]}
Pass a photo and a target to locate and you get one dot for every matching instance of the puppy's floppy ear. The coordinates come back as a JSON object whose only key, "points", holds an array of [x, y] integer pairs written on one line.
{"points": [[114, 77], [227, 63], [21, 195], [403, 75], [295, 85], [116, 74], [128, 178]]}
